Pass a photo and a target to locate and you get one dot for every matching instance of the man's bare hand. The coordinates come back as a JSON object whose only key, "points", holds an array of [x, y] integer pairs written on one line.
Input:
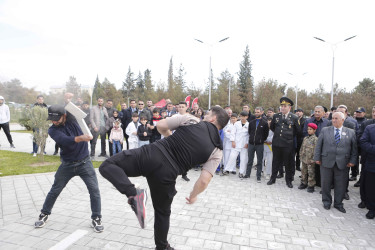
{"points": [[191, 200], [246, 146], [233, 144], [350, 165], [96, 129], [318, 162]]}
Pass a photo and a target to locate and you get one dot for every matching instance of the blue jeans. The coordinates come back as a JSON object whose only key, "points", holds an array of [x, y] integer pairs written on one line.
{"points": [[68, 170], [116, 147], [259, 149]]}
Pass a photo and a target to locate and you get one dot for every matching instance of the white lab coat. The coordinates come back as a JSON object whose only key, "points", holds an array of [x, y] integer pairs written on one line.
{"points": [[227, 144], [240, 136], [133, 139], [267, 155]]}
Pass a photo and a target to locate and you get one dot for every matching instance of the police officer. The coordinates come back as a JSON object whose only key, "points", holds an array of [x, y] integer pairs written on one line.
{"points": [[285, 128]]}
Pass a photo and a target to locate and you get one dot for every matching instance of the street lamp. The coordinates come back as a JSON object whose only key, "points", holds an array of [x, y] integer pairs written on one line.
{"points": [[333, 47], [297, 87], [210, 47]]}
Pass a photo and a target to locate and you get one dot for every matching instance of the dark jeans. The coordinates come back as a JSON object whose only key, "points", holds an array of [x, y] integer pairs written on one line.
{"points": [[95, 136], [283, 155], [110, 146], [147, 161], [66, 171], [5, 127], [259, 149]]}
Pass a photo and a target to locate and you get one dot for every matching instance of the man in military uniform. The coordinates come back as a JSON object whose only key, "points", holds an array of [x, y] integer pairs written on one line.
{"points": [[301, 123], [285, 128]]}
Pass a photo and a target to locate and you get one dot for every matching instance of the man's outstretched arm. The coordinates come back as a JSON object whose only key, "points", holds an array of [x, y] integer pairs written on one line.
{"points": [[199, 186]]}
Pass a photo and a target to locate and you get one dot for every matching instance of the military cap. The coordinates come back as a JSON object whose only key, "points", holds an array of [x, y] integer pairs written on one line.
{"points": [[360, 110], [286, 101]]}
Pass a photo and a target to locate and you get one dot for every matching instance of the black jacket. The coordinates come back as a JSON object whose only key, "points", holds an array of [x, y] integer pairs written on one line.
{"points": [[141, 130], [284, 130], [257, 135]]}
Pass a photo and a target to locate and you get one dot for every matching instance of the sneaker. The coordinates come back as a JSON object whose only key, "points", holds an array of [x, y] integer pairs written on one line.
{"points": [[258, 179], [184, 177], [97, 225], [234, 172], [34, 154], [43, 218], [310, 189], [12, 145], [241, 176], [138, 204]]}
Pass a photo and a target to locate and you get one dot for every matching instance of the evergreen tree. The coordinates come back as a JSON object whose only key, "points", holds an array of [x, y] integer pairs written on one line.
{"points": [[97, 90], [140, 87], [73, 87], [246, 89], [128, 86], [149, 89]]}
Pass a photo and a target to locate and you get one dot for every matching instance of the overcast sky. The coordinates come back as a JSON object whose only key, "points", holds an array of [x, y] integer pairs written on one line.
{"points": [[42, 43]]}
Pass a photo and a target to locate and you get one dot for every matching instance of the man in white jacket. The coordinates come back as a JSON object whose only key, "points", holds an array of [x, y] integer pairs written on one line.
{"points": [[131, 131], [4, 120], [239, 138]]}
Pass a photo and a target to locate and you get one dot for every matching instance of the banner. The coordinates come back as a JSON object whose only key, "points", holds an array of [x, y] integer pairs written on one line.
{"points": [[194, 101], [187, 100]]}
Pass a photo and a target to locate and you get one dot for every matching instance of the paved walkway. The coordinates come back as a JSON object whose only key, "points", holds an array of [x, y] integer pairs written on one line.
{"points": [[230, 214]]}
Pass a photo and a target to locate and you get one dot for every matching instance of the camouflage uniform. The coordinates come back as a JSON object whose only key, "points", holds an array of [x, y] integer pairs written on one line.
{"points": [[307, 159]]}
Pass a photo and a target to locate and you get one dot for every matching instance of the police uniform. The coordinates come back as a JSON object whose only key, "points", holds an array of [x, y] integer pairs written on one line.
{"points": [[285, 128]]}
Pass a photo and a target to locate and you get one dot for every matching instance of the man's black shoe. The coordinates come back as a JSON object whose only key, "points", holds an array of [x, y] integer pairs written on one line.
{"points": [[298, 169], [280, 176], [357, 184], [185, 178], [138, 204], [225, 172], [289, 184], [12, 145], [353, 178], [167, 248], [234, 172], [55, 153], [362, 205], [246, 176], [346, 196], [310, 189], [270, 182], [341, 209], [302, 186], [43, 218], [320, 192], [92, 154], [258, 179], [370, 215], [327, 207]]}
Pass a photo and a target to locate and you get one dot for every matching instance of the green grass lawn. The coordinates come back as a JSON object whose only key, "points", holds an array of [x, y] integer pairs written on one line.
{"points": [[16, 163]]}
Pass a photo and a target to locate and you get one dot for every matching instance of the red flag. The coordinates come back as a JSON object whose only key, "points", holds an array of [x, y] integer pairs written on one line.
{"points": [[187, 100], [194, 101]]}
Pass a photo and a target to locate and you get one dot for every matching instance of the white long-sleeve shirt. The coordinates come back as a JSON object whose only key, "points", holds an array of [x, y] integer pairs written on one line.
{"points": [[240, 134], [227, 144], [4, 114], [130, 129]]}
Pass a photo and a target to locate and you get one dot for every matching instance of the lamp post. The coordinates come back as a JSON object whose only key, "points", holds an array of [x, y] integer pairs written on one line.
{"points": [[297, 87], [333, 47], [210, 76]]}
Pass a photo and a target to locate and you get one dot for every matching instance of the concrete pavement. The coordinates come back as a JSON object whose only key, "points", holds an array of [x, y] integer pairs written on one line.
{"points": [[230, 214]]}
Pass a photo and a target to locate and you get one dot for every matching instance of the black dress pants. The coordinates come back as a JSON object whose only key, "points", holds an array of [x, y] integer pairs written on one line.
{"points": [[147, 161], [369, 189], [283, 155]]}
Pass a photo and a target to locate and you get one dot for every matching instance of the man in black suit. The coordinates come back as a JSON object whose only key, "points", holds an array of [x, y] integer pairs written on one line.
{"points": [[285, 128], [335, 152]]}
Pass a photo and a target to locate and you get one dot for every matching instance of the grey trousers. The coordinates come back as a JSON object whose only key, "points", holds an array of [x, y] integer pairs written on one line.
{"points": [[339, 178]]}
